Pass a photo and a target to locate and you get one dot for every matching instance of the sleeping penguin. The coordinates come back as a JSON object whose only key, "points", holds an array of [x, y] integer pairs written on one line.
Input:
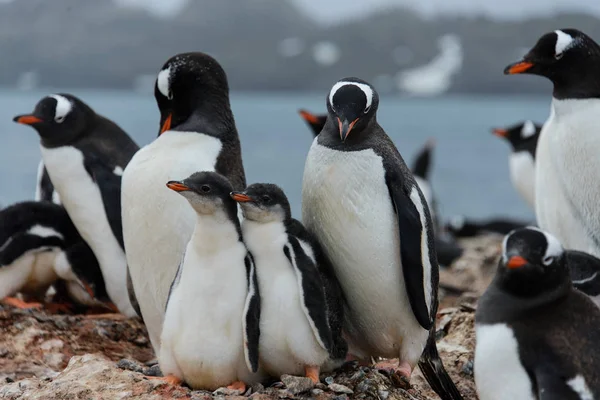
{"points": [[301, 300], [211, 324], [536, 336]]}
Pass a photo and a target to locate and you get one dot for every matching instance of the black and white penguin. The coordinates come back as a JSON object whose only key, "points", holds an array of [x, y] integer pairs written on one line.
{"points": [[44, 189], [38, 246], [314, 121], [210, 336], [85, 155], [362, 203], [535, 334], [566, 196], [197, 133], [523, 138], [301, 300], [461, 226]]}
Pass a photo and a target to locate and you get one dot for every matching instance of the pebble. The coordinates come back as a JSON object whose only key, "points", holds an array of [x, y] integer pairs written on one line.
{"points": [[329, 380], [336, 387], [383, 394], [129, 365], [467, 369], [297, 384]]}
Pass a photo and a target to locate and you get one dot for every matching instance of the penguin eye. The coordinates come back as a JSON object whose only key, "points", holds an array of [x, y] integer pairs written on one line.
{"points": [[266, 198], [367, 109], [548, 260], [60, 119], [205, 188]]}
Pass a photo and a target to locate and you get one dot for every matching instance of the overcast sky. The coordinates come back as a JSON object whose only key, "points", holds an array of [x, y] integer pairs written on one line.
{"points": [[334, 10]]}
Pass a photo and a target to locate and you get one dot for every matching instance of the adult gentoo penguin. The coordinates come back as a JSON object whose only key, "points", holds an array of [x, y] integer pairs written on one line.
{"points": [[523, 138], [301, 300], [536, 335], [362, 203], [211, 330], [85, 155], [567, 163], [197, 133]]}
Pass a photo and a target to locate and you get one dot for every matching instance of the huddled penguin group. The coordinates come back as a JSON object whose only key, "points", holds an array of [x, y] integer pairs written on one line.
{"points": [[234, 291]]}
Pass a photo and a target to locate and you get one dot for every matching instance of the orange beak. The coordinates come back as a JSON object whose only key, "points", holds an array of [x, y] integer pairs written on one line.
{"points": [[177, 186], [500, 132], [89, 290], [345, 128], [309, 117], [27, 119], [516, 262], [167, 125], [518, 67], [240, 197]]}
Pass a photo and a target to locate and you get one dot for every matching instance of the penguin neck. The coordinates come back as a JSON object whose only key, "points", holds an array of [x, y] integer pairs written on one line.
{"points": [[212, 118], [216, 231]]}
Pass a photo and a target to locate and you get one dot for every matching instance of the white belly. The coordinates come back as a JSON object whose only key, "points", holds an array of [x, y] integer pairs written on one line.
{"points": [[522, 175], [32, 273], [499, 374], [567, 166], [287, 341], [157, 222], [202, 339], [346, 204], [82, 199]]}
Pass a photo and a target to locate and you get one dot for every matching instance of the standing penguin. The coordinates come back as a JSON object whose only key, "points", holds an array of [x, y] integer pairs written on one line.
{"points": [[362, 203], [197, 133], [44, 189], [85, 155], [536, 335], [211, 327], [523, 139], [567, 162], [315, 122], [301, 301]]}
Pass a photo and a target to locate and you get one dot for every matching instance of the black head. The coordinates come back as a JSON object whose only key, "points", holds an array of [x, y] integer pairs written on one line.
{"points": [[352, 106], [532, 263], [316, 122], [569, 58], [188, 84], [263, 202], [207, 192], [519, 133], [59, 119]]}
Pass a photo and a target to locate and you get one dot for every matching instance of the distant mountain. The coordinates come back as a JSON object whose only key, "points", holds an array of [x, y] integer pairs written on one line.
{"points": [[264, 45]]}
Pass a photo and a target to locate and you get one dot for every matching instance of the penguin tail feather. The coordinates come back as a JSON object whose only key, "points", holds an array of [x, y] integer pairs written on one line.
{"points": [[434, 372]]}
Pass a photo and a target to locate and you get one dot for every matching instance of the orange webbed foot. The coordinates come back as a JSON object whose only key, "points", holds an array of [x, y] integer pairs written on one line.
{"points": [[18, 303]]}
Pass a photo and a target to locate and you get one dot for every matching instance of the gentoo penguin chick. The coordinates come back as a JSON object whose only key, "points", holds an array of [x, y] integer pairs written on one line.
{"points": [[460, 226], [85, 155], [210, 336], [38, 245], [301, 301], [567, 162], [315, 122], [523, 139], [362, 203], [536, 335], [197, 133]]}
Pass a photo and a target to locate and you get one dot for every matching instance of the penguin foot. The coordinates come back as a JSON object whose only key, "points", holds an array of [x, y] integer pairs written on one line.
{"points": [[170, 379], [312, 372], [399, 372], [13, 301], [238, 385]]}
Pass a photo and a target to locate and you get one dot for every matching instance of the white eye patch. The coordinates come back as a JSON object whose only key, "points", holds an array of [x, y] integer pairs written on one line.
{"points": [[564, 41], [528, 129], [163, 82], [365, 88], [63, 107]]}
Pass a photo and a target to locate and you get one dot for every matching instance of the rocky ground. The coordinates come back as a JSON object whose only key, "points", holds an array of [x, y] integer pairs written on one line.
{"points": [[62, 357]]}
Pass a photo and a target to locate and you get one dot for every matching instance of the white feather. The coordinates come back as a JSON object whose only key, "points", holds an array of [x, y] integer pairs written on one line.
{"points": [[345, 202], [528, 129], [425, 261], [563, 42], [163, 82], [499, 373], [567, 166], [522, 175], [33, 272], [63, 107], [580, 387], [83, 201], [157, 222], [38, 186], [288, 338], [365, 88], [44, 231]]}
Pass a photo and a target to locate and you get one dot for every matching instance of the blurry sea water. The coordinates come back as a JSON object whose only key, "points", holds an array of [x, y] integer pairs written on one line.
{"points": [[470, 172]]}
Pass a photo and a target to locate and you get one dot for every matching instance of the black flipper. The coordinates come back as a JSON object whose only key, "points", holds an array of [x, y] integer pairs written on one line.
{"points": [[174, 283], [411, 234], [423, 161], [109, 184], [552, 386], [45, 189], [434, 372], [251, 316], [133, 298], [312, 291]]}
